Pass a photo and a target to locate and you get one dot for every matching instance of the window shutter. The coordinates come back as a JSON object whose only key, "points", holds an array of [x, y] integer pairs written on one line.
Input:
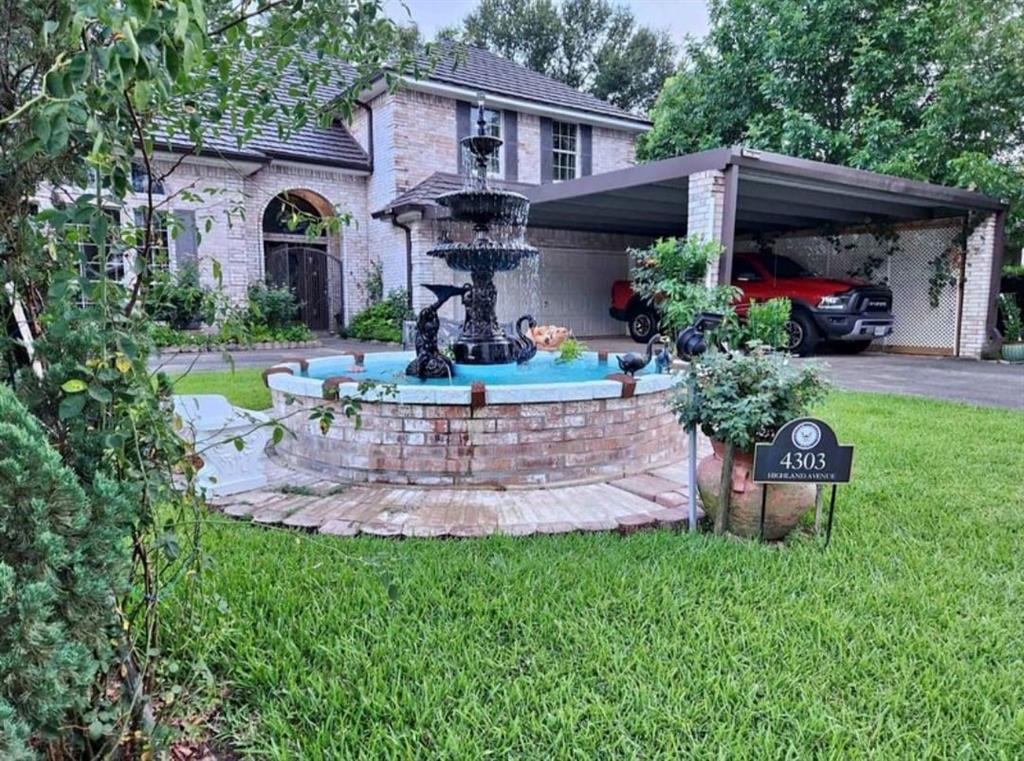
{"points": [[586, 150], [546, 151], [510, 132], [463, 112], [186, 244]]}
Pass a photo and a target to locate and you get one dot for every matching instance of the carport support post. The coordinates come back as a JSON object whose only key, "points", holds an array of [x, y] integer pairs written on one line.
{"points": [[711, 214], [982, 266]]}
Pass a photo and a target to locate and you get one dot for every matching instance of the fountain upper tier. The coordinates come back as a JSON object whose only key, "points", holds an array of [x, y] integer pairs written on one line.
{"points": [[498, 244]]}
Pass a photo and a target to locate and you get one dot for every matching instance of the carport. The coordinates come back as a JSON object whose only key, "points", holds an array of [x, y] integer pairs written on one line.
{"points": [[939, 248]]}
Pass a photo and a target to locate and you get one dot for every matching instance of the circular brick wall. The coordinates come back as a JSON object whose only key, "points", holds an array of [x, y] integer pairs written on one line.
{"points": [[497, 444]]}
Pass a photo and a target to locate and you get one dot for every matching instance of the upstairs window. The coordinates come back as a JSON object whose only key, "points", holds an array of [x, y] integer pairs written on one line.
{"points": [[496, 167], [565, 147], [140, 181]]}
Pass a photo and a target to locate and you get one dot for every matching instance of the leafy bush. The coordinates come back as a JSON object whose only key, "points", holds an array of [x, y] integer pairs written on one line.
{"points": [[271, 307], [1013, 270], [1013, 323], [671, 274], [745, 398], [180, 301], [60, 565], [765, 325], [382, 321]]}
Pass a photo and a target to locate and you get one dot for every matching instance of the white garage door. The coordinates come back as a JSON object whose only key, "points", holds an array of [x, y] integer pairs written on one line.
{"points": [[569, 287]]}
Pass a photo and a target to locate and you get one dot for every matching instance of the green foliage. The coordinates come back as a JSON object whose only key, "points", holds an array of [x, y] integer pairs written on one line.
{"points": [[180, 301], [1013, 270], [270, 307], [1013, 323], [571, 350], [671, 274], [382, 321], [93, 87], [61, 559], [591, 45], [932, 90], [764, 325], [745, 398], [912, 612]]}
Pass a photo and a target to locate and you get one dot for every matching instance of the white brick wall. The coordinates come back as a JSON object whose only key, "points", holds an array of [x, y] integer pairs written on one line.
{"points": [[705, 210], [977, 293]]}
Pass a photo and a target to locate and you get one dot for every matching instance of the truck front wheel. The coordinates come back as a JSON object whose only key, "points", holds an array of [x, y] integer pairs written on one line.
{"points": [[643, 323], [801, 334]]}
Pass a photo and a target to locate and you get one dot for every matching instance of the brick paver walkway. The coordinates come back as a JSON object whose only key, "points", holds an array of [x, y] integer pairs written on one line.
{"points": [[305, 501]]}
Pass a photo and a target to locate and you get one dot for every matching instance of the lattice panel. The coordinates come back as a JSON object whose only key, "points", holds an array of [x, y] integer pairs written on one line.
{"points": [[907, 272]]}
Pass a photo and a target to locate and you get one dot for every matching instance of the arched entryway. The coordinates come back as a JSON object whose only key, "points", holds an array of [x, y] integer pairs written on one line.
{"points": [[308, 265]]}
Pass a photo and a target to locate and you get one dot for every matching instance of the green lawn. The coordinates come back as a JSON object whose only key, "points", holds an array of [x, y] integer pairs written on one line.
{"points": [[243, 388], [904, 640]]}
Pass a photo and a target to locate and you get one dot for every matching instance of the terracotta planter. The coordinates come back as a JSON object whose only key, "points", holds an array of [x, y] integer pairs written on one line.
{"points": [[787, 503], [1013, 352]]}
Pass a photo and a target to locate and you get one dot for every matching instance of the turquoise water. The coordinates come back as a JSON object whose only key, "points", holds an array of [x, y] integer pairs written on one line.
{"points": [[389, 367]]}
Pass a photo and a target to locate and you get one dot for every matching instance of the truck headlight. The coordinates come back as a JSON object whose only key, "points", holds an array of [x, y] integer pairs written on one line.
{"points": [[834, 303]]}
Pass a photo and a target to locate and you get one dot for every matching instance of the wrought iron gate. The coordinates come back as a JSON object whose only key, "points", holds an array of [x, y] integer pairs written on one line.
{"points": [[314, 276]]}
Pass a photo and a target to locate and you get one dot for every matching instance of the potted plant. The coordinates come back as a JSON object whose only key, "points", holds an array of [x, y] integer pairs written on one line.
{"points": [[743, 399], [1013, 329]]}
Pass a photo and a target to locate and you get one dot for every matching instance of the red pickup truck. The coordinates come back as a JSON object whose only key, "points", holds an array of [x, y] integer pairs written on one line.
{"points": [[849, 313]]}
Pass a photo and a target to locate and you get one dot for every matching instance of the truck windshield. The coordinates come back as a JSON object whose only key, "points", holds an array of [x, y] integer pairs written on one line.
{"points": [[783, 266]]}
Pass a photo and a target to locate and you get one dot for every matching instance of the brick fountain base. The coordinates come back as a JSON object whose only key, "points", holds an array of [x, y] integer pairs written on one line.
{"points": [[500, 436]]}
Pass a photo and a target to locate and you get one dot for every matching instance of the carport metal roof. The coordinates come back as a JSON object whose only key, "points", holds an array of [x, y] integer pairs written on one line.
{"points": [[764, 192]]}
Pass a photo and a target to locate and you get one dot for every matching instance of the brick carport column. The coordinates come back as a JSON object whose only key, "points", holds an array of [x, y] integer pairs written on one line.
{"points": [[982, 263], [711, 214]]}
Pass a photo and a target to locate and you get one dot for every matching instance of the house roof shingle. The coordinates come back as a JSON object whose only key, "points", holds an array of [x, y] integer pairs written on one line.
{"points": [[456, 64], [480, 69]]}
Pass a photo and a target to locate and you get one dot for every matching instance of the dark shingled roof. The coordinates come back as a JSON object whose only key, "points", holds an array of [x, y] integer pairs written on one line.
{"points": [[423, 196], [455, 64], [479, 69]]}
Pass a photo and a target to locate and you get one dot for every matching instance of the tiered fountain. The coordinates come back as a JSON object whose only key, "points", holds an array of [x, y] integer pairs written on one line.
{"points": [[500, 414], [482, 340]]}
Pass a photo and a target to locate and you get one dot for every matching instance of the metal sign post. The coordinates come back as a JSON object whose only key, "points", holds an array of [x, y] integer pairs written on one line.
{"points": [[690, 343], [691, 471], [803, 451]]}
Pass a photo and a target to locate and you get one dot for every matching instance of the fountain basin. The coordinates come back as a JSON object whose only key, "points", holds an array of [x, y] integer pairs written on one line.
{"points": [[535, 424], [490, 256]]}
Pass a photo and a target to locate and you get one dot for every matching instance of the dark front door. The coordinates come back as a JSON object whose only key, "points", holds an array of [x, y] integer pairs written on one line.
{"points": [[312, 275]]}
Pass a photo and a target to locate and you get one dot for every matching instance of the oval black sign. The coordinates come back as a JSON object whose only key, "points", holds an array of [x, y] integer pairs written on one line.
{"points": [[804, 450]]}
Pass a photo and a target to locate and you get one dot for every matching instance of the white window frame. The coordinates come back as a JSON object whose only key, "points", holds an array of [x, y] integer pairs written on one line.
{"points": [[557, 151]]}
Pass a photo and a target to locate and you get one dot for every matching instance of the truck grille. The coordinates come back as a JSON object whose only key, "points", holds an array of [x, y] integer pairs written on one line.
{"points": [[874, 300]]}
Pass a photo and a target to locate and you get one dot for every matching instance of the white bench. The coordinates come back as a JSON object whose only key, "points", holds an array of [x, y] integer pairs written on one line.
{"points": [[212, 425]]}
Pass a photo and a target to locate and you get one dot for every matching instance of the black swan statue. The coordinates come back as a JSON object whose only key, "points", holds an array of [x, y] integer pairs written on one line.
{"points": [[429, 361], [527, 346], [633, 363]]}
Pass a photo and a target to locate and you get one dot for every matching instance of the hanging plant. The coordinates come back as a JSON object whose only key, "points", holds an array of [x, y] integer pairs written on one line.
{"points": [[945, 272]]}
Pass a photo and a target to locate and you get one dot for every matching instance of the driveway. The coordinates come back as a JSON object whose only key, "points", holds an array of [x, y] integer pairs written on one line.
{"points": [[989, 384]]}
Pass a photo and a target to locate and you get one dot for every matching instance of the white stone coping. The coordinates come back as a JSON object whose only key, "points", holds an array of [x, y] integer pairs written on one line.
{"points": [[413, 393]]}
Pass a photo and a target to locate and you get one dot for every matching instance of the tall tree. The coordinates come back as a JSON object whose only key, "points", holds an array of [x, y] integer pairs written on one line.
{"points": [[930, 90], [87, 90], [591, 45]]}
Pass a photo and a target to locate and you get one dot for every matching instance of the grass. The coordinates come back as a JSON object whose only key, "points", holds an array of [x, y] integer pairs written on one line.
{"points": [[904, 640], [242, 387]]}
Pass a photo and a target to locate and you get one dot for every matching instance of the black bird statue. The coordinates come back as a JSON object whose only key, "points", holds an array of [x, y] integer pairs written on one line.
{"points": [[527, 346], [633, 363], [430, 362]]}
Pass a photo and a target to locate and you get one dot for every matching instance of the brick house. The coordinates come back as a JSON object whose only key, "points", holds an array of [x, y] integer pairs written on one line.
{"points": [[382, 171]]}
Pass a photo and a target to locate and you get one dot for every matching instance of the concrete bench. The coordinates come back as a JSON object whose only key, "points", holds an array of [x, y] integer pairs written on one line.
{"points": [[212, 425]]}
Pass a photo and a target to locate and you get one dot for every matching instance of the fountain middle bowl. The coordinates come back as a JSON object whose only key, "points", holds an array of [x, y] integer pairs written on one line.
{"points": [[488, 255], [486, 206]]}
